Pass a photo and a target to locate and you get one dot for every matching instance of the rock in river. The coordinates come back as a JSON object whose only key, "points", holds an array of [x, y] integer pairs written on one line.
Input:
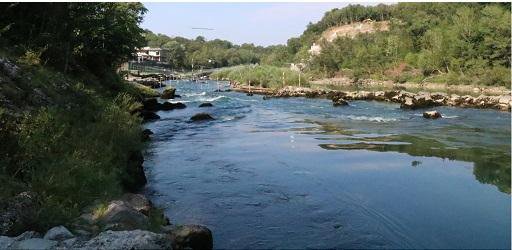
{"points": [[432, 114], [202, 117], [191, 237], [205, 104], [339, 101], [168, 93]]}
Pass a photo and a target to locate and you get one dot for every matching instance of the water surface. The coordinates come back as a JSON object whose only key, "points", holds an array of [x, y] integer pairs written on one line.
{"points": [[299, 173]]}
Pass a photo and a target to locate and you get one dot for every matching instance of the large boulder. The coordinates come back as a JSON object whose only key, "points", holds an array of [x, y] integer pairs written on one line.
{"points": [[202, 117], [58, 233], [432, 114], [138, 202], [134, 177], [407, 103], [148, 115], [151, 104], [136, 239], [120, 216], [18, 213], [191, 237], [168, 93]]}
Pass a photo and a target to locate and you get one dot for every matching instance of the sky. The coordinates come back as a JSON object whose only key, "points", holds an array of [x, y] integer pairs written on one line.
{"points": [[259, 23]]}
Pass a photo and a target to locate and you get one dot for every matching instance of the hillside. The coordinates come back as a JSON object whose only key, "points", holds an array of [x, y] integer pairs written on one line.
{"points": [[352, 30]]}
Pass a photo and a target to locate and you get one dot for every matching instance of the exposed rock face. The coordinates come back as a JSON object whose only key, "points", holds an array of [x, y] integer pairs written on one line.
{"points": [[168, 93], [202, 117], [339, 101], [121, 216], [191, 237], [58, 233], [432, 114], [134, 177], [205, 104], [136, 239], [18, 213]]}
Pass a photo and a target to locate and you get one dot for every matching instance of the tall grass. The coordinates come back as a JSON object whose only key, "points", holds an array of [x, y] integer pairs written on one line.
{"points": [[265, 76], [71, 151]]}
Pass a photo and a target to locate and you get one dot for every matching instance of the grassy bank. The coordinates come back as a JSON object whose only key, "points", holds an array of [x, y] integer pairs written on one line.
{"points": [[265, 76], [65, 138]]}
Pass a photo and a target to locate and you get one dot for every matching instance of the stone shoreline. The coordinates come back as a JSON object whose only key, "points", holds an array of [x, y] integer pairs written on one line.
{"points": [[407, 100]]}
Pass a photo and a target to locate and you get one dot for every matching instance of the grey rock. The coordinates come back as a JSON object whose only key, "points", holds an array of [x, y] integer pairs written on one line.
{"points": [[138, 202], [136, 239], [58, 233], [34, 243], [27, 235], [121, 216], [6, 242]]}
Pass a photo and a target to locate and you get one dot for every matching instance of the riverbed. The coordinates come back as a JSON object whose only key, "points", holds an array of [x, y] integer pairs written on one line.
{"points": [[300, 173]]}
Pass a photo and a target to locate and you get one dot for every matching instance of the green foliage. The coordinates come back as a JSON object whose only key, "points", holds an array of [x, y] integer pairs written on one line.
{"points": [[199, 53], [263, 76], [449, 42], [73, 36], [73, 150]]}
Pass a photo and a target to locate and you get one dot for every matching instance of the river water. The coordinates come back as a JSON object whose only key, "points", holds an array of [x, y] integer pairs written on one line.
{"points": [[300, 173]]}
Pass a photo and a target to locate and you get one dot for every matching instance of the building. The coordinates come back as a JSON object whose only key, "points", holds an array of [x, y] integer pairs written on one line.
{"points": [[151, 54]]}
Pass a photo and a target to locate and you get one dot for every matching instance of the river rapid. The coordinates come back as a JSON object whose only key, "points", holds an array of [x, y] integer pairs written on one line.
{"points": [[300, 173]]}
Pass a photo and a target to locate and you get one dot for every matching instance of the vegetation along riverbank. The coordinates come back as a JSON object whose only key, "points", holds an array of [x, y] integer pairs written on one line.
{"points": [[72, 135]]}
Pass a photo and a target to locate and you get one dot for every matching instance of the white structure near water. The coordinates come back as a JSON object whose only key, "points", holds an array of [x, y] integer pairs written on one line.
{"points": [[151, 54]]}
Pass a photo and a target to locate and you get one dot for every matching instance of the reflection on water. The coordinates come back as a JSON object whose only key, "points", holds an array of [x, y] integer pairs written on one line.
{"points": [[299, 173]]}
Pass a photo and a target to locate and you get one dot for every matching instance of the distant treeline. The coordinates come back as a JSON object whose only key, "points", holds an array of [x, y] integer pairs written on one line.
{"points": [[442, 42]]}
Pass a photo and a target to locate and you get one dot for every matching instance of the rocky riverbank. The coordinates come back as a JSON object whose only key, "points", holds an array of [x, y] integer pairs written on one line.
{"points": [[129, 221], [407, 100]]}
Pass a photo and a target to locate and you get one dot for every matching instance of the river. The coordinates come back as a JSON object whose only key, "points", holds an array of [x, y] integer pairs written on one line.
{"points": [[300, 173]]}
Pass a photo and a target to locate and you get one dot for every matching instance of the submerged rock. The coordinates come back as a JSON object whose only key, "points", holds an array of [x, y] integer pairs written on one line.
{"points": [[202, 117], [168, 93], [191, 237], [205, 104], [432, 114]]}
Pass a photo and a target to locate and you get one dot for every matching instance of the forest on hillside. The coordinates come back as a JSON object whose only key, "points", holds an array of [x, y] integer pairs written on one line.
{"points": [[454, 43]]}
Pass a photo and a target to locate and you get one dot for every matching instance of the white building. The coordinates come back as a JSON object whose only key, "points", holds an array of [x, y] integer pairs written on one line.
{"points": [[151, 54]]}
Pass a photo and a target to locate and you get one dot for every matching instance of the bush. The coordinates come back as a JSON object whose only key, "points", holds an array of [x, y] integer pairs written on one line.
{"points": [[263, 76]]}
